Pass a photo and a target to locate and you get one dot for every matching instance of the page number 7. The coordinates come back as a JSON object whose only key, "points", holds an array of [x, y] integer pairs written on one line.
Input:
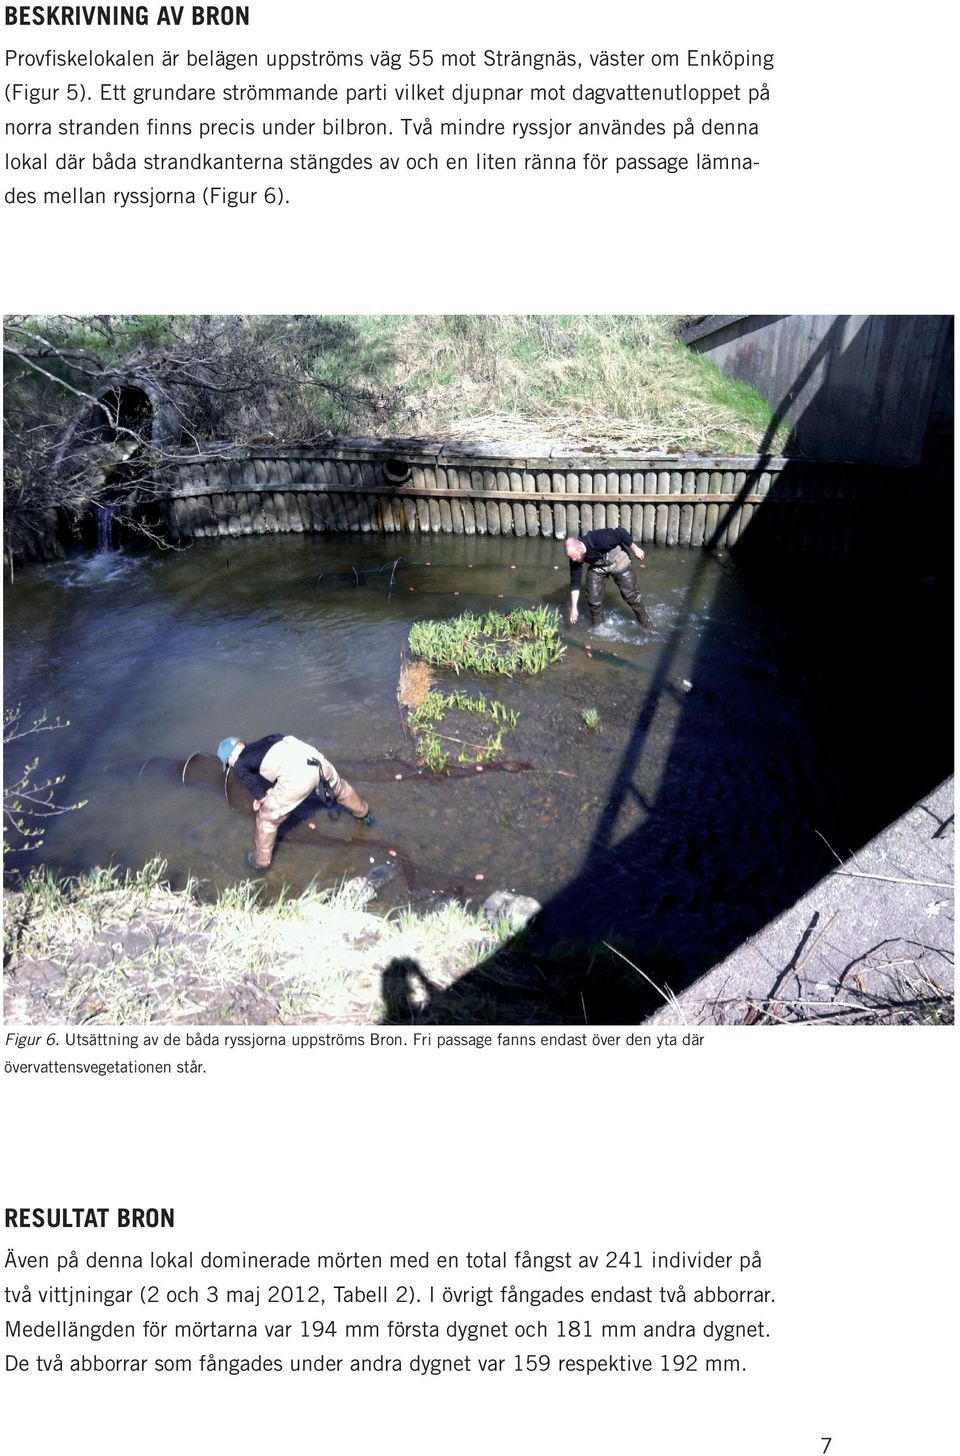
{"points": [[826, 1444]]}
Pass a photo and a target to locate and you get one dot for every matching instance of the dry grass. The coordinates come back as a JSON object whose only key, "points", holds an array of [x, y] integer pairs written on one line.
{"points": [[416, 680], [590, 381]]}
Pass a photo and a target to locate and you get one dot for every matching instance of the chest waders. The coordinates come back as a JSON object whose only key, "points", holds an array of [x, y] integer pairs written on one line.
{"points": [[323, 787], [615, 564], [268, 820]]}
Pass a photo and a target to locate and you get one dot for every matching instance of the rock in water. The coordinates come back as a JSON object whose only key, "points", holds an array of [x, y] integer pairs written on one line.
{"points": [[381, 875], [364, 888], [519, 910]]}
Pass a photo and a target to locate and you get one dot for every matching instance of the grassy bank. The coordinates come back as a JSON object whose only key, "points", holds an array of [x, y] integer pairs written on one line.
{"points": [[623, 380], [111, 949], [106, 949]]}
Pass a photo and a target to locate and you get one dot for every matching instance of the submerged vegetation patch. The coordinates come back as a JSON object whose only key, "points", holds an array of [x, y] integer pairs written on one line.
{"points": [[432, 750]]}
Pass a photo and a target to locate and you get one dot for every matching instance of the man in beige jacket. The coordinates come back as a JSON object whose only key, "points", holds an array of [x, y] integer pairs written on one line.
{"points": [[280, 772]]}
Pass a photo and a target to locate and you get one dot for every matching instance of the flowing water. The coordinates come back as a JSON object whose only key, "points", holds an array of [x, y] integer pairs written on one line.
{"points": [[103, 516], [769, 719]]}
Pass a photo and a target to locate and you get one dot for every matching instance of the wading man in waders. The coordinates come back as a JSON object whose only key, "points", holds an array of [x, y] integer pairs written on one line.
{"points": [[281, 772], [606, 555]]}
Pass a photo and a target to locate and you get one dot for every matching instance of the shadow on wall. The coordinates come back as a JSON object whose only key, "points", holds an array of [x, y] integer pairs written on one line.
{"points": [[688, 859], [876, 391]]}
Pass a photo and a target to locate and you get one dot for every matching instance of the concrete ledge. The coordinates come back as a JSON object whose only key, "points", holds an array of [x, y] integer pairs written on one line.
{"points": [[874, 934], [504, 453]]}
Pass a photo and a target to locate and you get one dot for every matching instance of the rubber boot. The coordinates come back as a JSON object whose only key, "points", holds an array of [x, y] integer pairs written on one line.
{"points": [[348, 798], [596, 581], [627, 586], [265, 837]]}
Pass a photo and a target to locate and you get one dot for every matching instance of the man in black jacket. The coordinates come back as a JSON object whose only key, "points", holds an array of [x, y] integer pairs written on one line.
{"points": [[606, 555], [281, 771]]}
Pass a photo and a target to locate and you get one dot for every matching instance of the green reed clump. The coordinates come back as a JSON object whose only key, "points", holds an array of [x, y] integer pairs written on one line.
{"points": [[525, 640], [431, 753]]}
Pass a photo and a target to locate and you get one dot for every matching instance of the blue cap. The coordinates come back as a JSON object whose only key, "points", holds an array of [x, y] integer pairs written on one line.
{"points": [[227, 745]]}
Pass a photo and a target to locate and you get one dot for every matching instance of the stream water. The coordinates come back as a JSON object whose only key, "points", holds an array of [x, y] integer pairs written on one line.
{"points": [[771, 718]]}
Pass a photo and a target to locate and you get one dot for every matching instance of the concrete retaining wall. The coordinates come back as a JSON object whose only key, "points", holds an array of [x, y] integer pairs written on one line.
{"points": [[692, 501], [867, 386]]}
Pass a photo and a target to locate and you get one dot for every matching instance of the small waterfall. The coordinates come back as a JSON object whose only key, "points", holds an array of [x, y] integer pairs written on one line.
{"points": [[103, 515]]}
